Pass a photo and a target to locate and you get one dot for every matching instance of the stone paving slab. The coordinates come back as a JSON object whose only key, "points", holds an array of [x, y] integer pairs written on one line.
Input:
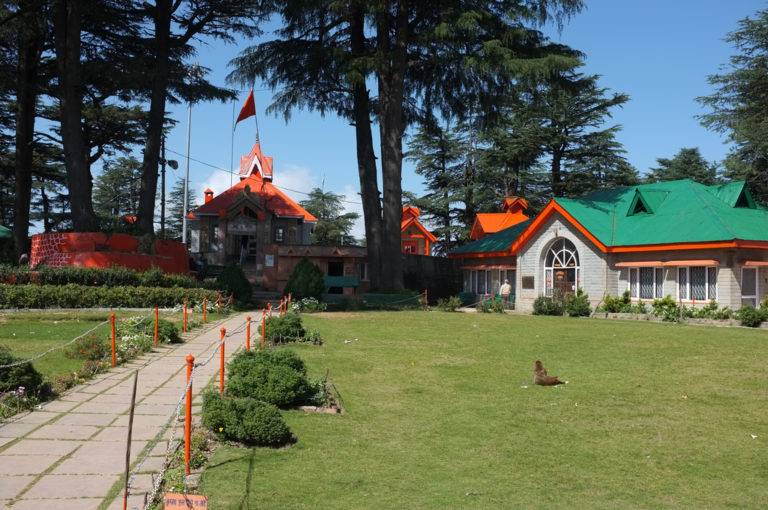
{"points": [[64, 432], [71, 486], [72, 452], [42, 447], [58, 504], [79, 419], [12, 485], [26, 464]]}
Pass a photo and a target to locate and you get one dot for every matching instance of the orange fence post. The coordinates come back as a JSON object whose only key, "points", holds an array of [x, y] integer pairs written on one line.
{"points": [[221, 361], [269, 309], [114, 343], [248, 333], [205, 310], [157, 325], [263, 329], [188, 415], [184, 325]]}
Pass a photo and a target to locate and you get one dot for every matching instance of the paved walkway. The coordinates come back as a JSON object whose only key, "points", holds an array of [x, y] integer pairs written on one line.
{"points": [[70, 453]]}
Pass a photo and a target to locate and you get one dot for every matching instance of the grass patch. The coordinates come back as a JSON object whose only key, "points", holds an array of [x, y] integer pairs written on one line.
{"points": [[655, 415]]}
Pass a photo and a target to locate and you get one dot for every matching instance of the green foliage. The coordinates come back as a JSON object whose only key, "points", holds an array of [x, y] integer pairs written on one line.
{"points": [[750, 316], [285, 329], [167, 331], [21, 376], [271, 357], [90, 347], [737, 107], [116, 189], [308, 305], [305, 281], [667, 309], [245, 420], [232, 280], [577, 305], [111, 277], [616, 304], [450, 304], [280, 380], [549, 305], [333, 224], [688, 163], [79, 296]]}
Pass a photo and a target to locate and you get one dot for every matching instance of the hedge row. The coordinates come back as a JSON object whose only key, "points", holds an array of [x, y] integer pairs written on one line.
{"points": [[110, 277], [83, 296]]}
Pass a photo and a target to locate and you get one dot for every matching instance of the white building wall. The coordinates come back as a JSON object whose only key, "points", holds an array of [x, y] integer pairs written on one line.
{"points": [[593, 277], [599, 275]]}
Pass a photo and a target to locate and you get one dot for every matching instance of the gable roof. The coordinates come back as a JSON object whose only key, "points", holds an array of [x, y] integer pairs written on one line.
{"points": [[411, 217], [255, 162], [497, 243], [669, 215], [275, 201], [681, 211]]}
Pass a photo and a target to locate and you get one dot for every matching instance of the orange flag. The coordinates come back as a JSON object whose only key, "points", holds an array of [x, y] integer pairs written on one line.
{"points": [[248, 109]]}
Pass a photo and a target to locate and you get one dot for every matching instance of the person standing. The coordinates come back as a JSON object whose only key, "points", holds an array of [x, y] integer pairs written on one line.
{"points": [[505, 290]]}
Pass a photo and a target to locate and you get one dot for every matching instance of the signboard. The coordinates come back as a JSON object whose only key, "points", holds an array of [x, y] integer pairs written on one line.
{"points": [[528, 282], [269, 260], [175, 501], [241, 225]]}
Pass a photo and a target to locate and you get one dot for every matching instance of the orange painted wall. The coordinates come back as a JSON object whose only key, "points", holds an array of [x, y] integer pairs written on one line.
{"points": [[99, 250]]}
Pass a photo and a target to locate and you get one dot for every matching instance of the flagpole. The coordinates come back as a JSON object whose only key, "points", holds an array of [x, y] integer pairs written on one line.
{"points": [[186, 178], [255, 115], [232, 145]]}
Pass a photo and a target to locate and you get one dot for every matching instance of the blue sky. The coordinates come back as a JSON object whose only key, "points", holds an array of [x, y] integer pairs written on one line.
{"points": [[659, 53]]}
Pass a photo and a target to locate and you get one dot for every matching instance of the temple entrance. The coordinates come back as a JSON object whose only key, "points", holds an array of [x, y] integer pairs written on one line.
{"points": [[248, 253]]}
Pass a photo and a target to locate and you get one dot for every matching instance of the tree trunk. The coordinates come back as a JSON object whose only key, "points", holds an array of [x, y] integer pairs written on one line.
{"points": [[46, 205], [67, 22], [156, 119], [29, 49], [391, 83], [366, 159], [557, 177]]}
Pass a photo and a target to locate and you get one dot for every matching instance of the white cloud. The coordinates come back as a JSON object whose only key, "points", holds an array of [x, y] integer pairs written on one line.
{"points": [[218, 181], [295, 178]]}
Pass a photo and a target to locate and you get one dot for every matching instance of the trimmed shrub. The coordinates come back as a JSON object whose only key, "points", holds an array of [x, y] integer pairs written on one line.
{"points": [[285, 329], [305, 281], [450, 304], [81, 296], [750, 316], [577, 305], [277, 384], [90, 348], [273, 357], [245, 420], [546, 305], [109, 277], [232, 280], [21, 376], [667, 309], [617, 304]]}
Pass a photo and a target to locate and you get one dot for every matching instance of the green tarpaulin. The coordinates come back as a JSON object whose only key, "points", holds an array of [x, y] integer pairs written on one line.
{"points": [[5, 233]]}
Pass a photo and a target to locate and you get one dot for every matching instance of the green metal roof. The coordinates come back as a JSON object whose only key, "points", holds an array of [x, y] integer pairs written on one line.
{"points": [[680, 211], [499, 241], [5, 232]]}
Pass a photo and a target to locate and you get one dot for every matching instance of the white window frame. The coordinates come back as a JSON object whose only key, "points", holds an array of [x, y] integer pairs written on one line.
{"points": [[706, 284], [570, 259], [655, 282], [364, 271], [279, 234], [757, 285]]}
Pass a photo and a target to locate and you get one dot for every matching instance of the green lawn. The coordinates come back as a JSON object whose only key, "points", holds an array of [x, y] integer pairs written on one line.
{"points": [[30, 333], [441, 413]]}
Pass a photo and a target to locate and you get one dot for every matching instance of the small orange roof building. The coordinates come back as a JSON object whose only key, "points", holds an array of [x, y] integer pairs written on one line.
{"points": [[490, 223], [414, 236]]}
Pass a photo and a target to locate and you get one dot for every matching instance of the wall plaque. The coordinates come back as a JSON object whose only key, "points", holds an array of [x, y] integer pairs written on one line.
{"points": [[528, 282]]}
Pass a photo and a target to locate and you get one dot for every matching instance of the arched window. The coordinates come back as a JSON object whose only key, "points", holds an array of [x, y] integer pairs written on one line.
{"points": [[561, 268]]}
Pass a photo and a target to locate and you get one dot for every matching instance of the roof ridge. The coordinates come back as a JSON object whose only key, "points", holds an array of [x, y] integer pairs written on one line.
{"points": [[712, 211]]}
